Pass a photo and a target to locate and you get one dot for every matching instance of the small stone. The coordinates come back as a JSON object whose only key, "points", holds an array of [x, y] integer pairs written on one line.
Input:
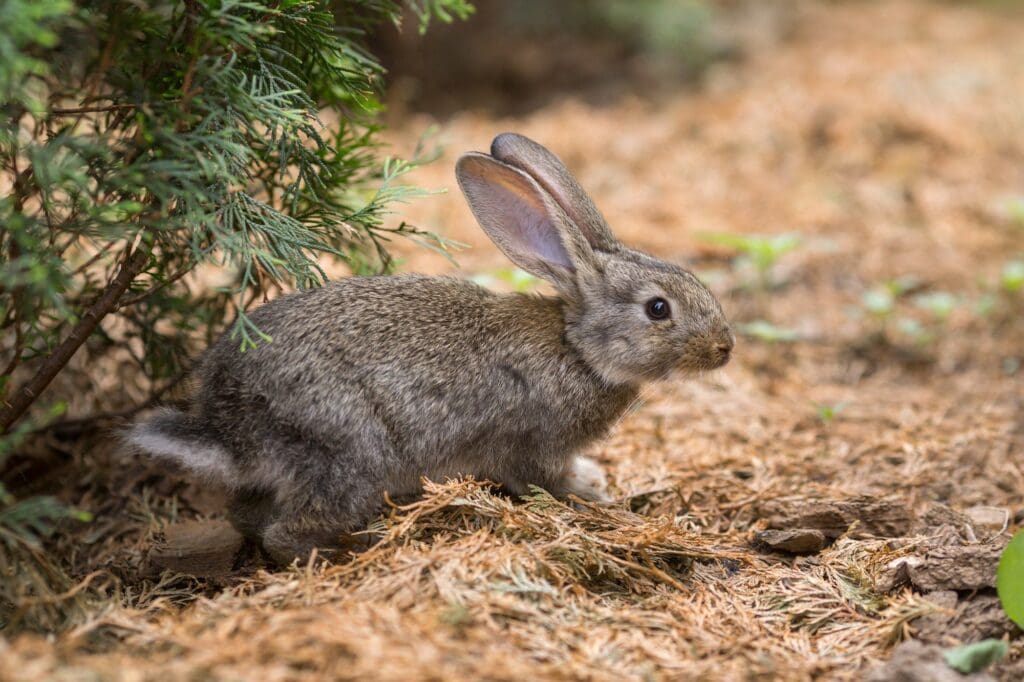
{"points": [[988, 521], [944, 599], [795, 541], [981, 617], [913, 661]]}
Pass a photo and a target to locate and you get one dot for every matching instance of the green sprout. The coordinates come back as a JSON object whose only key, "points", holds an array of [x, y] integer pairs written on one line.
{"points": [[915, 331], [939, 304], [985, 305], [516, 279], [758, 252], [882, 301], [1011, 280], [974, 657], [827, 413], [767, 332], [1015, 211], [879, 302]]}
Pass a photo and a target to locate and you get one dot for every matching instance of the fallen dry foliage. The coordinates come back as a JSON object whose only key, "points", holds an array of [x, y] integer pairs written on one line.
{"points": [[750, 537], [468, 583]]}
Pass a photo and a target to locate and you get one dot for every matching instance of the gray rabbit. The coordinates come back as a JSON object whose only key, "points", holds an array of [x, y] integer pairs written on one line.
{"points": [[371, 383]]}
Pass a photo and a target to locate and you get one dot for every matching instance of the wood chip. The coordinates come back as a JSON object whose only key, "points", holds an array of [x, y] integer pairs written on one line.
{"points": [[796, 541], [964, 567], [205, 549], [872, 516]]}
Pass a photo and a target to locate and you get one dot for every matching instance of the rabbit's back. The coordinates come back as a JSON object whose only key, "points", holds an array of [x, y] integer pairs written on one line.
{"points": [[394, 378]]}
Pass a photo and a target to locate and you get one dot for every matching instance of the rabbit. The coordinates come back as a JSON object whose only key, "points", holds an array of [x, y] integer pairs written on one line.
{"points": [[370, 384]]}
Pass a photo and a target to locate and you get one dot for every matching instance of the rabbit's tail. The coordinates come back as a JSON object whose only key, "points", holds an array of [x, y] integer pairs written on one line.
{"points": [[185, 440]]}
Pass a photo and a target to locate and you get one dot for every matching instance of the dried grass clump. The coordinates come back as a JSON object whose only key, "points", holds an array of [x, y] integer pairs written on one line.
{"points": [[583, 543]]}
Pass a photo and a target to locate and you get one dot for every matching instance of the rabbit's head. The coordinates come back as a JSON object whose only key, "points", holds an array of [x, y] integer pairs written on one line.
{"points": [[632, 317]]}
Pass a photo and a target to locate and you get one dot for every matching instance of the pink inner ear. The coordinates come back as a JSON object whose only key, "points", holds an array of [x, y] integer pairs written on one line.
{"points": [[527, 223]]}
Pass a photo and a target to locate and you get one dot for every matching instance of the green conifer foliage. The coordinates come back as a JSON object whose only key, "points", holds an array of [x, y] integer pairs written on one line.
{"points": [[140, 139]]}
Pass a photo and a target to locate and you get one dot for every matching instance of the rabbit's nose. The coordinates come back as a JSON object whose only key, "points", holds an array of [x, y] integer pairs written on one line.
{"points": [[725, 343]]}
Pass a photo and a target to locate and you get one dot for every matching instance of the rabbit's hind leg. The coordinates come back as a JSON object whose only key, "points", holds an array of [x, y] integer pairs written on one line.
{"points": [[251, 510], [322, 515], [325, 477], [255, 514], [288, 540], [331, 492], [294, 532]]}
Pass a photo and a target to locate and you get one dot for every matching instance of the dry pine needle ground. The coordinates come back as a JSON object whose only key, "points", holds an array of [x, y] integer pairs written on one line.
{"points": [[890, 135]]}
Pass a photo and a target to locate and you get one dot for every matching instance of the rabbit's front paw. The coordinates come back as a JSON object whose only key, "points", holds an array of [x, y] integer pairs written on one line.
{"points": [[586, 479]]}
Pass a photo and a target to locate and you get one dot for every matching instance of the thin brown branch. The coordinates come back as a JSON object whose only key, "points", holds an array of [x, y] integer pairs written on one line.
{"points": [[57, 111], [75, 236], [19, 347], [133, 263], [187, 93], [74, 426], [132, 300], [92, 259], [105, 60], [22, 189], [11, 316]]}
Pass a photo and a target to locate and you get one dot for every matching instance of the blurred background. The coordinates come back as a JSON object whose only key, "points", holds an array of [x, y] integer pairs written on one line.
{"points": [[847, 172]]}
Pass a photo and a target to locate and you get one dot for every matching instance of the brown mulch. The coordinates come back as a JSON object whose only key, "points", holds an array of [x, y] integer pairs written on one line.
{"points": [[751, 537]]}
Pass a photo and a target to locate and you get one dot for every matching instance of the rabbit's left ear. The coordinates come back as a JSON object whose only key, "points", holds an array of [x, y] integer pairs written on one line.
{"points": [[525, 222]]}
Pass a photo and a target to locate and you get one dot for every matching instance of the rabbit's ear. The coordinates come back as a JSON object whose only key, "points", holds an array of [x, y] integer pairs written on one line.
{"points": [[548, 170], [524, 221]]}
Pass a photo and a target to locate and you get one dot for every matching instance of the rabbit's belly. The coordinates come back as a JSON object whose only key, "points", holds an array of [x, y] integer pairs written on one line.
{"points": [[501, 423], [513, 456]]}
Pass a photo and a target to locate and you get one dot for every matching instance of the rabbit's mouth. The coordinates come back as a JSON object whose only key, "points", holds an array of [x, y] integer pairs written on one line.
{"points": [[708, 354], [702, 364], [721, 353]]}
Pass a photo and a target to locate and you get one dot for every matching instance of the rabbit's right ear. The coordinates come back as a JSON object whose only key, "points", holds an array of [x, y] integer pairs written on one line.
{"points": [[525, 222], [549, 171]]}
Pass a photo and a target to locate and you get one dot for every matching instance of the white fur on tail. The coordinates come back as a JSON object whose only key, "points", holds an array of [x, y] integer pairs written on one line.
{"points": [[199, 456]]}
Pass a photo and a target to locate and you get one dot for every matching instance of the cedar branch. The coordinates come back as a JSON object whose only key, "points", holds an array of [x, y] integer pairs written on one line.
{"points": [[133, 263]]}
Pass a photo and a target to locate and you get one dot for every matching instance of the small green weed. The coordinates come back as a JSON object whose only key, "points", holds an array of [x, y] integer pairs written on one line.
{"points": [[756, 252], [766, 332], [514, 278]]}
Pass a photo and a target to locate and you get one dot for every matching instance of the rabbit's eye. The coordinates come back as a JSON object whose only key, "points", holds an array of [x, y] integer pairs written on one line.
{"points": [[657, 309]]}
